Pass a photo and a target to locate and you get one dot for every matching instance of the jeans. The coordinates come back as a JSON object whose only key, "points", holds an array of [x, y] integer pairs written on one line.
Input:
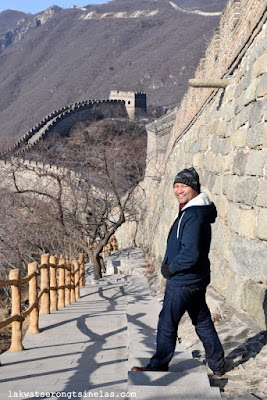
{"points": [[177, 300]]}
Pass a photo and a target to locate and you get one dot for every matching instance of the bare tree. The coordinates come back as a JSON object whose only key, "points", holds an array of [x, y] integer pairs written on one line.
{"points": [[86, 201]]}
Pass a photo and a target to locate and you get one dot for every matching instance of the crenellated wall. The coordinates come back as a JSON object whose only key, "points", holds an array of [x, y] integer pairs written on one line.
{"points": [[63, 119], [223, 134], [132, 100]]}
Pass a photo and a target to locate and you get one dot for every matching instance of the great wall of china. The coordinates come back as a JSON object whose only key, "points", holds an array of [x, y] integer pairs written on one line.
{"points": [[71, 113], [223, 134]]}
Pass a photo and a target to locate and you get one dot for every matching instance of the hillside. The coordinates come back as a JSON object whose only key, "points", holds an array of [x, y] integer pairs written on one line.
{"points": [[61, 56]]}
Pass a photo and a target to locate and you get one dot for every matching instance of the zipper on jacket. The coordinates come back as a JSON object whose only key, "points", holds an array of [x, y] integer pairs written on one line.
{"points": [[178, 228]]}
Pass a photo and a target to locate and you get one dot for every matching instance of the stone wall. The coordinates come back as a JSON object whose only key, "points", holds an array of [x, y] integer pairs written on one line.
{"points": [[223, 134], [128, 97], [63, 119], [132, 100]]}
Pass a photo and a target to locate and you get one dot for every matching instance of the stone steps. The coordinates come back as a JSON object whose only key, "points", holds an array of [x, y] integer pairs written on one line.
{"points": [[183, 392]]}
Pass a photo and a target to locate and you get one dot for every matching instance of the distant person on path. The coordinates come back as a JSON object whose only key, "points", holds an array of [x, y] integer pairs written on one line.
{"points": [[186, 267]]}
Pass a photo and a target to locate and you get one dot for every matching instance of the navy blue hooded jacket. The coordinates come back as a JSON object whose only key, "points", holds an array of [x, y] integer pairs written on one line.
{"points": [[188, 243]]}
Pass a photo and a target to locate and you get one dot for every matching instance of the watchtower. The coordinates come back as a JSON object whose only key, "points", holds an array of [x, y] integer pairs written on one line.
{"points": [[132, 100]]}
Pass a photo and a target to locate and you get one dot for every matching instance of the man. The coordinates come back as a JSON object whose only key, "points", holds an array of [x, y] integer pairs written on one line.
{"points": [[186, 267]]}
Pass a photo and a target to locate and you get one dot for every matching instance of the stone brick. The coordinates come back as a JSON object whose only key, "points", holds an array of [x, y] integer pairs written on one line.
{"points": [[229, 186], [239, 138], [238, 75], [205, 143], [209, 160], [198, 160], [218, 185], [256, 112], [261, 230], [248, 258], [212, 127], [221, 146], [233, 217], [222, 205], [204, 176], [242, 117], [239, 89], [188, 159], [228, 162], [262, 194], [221, 239], [254, 301], [202, 131], [195, 147], [255, 136], [247, 79], [187, 145], [250, 94], [220, 273], [248, 223], [239, 163], [255, 162], [259, 66], [265, 134], [261, 88], [221, 128], [229, 93], [246, 190], [211, 181], [234, 291], [227, 111], [219, 164], [230, 128]]}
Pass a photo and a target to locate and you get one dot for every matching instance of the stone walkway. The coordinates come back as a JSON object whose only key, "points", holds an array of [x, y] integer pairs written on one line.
{"points": [[87, 349]]}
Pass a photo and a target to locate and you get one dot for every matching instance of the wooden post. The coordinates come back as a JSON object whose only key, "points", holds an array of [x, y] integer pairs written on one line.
{"points": [[33, 298], [114, 243], [53, 283], [45, 284], [76, 278], [16, 337], [67, 283], [104, 252], [82, 270], [109, 248], [72, 291], [61, 282]]}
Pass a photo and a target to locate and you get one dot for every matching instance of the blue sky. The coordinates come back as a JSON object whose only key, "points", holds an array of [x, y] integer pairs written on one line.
{"points": [[35, 6]]}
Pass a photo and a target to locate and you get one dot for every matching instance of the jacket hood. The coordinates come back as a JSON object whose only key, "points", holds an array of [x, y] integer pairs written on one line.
{"points": [[201, 200], [203, 203]]}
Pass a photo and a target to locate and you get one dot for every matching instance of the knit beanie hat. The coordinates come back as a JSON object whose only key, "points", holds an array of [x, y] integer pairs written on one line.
{"points": [[189, 177]]}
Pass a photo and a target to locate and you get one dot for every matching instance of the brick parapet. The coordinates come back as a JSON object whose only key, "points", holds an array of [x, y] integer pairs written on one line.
{"points": [[238, 24], [223, 134], [41, 129]]}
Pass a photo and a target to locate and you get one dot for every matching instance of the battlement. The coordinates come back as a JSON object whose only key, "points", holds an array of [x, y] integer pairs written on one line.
{"points": [[239, 24], [132, 100], [49, 122], [220, 131]]}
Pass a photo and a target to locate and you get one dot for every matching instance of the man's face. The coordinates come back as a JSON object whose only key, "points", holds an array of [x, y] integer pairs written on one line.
{"points": [[184, 193]]}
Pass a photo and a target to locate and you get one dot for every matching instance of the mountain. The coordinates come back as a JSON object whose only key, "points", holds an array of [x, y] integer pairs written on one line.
{"points": [[9, 19], [62, 56]]}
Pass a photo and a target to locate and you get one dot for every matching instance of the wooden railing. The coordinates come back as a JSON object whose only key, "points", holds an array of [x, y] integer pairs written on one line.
{"points": [[111, 245], [60, 283]]}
